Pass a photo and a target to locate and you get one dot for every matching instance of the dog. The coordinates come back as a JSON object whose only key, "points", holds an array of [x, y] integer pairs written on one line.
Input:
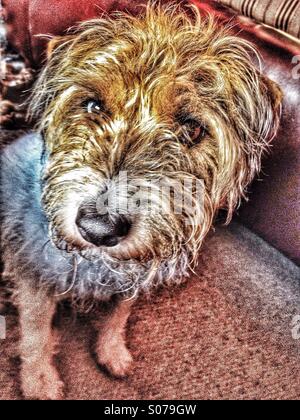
{"points": [[164, 99]]}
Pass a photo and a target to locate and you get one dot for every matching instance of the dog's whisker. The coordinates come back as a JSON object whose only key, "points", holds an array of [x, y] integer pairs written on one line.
{"points": [[74, 276]]}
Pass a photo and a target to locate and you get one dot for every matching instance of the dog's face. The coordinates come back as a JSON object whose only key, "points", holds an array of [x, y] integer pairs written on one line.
{"points": [[131, 105]]}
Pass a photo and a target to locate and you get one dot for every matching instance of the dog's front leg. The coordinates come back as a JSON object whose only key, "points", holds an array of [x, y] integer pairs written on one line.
{"points": [[39, 378], [111, 347]]}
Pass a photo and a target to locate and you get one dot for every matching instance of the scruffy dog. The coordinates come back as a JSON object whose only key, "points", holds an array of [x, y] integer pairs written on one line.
{"points": [[160, 99]]}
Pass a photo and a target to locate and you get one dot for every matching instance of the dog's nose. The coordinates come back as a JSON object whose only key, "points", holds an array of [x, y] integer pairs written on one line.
{"points": [[102, 229]]}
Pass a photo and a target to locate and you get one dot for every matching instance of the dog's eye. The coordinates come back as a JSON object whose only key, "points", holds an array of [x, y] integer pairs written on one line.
{"points": [[194, 130], [93, 106]]}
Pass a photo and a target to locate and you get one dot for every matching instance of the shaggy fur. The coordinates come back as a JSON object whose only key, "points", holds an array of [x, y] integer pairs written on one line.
{"points": [[161, 96]]}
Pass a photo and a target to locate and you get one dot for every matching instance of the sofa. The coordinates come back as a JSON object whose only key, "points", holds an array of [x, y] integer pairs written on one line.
{"points": [[232, 330]]}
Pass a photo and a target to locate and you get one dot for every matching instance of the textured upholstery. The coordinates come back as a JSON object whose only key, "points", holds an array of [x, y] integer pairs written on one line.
{"points": [[273, 211]]}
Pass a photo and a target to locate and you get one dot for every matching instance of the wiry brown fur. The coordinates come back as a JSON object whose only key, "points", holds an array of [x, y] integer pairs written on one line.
{"points": [[147, 71], [150, 73]]}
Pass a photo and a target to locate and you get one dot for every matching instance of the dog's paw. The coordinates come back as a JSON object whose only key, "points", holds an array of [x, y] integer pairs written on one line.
{"points": [[115, 357], [41, 382]]}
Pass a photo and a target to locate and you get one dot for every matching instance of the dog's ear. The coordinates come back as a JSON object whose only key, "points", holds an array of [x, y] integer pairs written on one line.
{"points": [[255, 115], [260, 122], [58, 42], [275, 92], [269, 106]]}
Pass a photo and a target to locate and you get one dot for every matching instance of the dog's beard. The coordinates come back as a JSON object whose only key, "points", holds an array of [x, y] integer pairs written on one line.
{"points": [[160, 249], [127, 269]]}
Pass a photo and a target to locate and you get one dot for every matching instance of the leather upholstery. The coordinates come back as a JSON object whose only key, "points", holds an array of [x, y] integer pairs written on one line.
{"points": [[273, 210]]}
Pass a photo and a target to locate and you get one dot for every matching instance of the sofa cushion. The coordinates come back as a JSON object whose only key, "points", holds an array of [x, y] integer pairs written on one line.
{"points": [[229, 333]]}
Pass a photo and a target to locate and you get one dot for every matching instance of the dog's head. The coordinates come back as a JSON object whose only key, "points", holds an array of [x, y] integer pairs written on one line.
{"points": [[151, 125]]}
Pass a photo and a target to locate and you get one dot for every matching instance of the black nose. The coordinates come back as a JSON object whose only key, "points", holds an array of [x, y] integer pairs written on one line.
{"points": [[102, 229]]}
